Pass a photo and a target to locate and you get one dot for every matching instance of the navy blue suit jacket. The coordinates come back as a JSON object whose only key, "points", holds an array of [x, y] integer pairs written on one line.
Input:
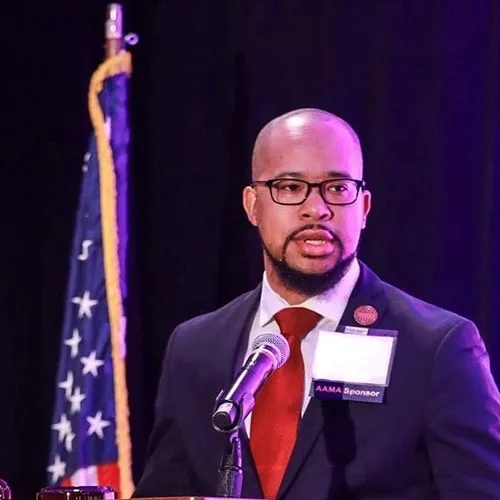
{"points": [[437, 434]]}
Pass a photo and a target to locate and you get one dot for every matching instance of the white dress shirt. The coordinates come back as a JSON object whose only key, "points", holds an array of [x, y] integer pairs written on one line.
{"points": [[330, 305]]}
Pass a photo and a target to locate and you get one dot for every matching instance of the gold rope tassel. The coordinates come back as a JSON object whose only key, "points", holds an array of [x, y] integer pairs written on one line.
{"points": [[120, 63]]}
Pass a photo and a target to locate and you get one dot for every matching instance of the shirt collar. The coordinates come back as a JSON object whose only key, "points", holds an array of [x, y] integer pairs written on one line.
{"points": [[330, 304]]}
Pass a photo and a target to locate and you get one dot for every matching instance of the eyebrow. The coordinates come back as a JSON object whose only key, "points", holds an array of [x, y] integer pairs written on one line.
{"points": [[334, 174]]}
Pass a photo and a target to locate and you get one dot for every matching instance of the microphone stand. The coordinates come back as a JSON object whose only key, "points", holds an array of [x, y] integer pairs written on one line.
{"points": [[231, 465], [231, 470]]}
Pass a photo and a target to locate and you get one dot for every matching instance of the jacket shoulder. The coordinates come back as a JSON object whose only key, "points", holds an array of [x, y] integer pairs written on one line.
{"points": [[424, 317], [192, 327]]}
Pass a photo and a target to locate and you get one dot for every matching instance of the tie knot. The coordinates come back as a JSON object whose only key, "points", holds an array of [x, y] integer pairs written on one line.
{"points": [[296, 321]]}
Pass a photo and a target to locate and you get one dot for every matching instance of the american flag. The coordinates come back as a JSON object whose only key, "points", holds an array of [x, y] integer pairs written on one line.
{"points": [[90, 442]]}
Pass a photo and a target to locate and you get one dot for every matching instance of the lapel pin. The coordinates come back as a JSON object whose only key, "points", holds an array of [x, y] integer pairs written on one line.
{"points": [[365, 315]]}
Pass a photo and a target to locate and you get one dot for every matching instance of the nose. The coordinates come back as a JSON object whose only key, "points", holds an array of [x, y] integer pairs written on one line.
{"points": [[315, 207]]}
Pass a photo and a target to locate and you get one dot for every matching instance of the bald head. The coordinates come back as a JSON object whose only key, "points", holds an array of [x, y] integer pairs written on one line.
{"points": [[311, 128]]}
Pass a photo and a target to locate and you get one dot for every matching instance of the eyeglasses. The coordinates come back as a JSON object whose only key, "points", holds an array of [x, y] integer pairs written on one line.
{"points": [[295, 191]]}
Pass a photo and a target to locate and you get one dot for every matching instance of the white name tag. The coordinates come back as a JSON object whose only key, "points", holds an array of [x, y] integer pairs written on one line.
{"points": [[348, 366]]}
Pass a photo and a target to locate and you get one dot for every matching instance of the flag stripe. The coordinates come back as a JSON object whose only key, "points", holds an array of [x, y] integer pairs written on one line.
{"points": [[86, 476], [110, 474]]}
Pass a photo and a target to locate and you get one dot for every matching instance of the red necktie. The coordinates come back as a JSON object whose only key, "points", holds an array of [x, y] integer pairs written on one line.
{"points": [[278, 405]]}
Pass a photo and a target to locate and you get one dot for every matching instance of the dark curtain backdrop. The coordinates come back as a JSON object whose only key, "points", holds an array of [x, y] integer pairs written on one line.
{"points": [[418, 80]]}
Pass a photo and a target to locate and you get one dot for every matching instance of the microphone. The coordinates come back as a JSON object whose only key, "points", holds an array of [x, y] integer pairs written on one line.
{"points": [[269, 352]]}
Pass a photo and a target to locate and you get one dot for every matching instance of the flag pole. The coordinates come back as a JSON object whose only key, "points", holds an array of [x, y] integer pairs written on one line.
{"points": [[114, 29]]}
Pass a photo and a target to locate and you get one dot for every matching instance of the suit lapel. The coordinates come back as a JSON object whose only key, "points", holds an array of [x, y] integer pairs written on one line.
{"points": [[368, 291]]}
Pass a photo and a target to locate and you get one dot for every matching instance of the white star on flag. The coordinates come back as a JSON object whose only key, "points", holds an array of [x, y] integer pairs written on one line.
{"points": [[67, 385], [73, 342], [107, 125], [68, 442], [63, 427], [76, 400], [97, 425], [57, 469], [86, 244], [86, 159], [91, 364], [85, 304]]}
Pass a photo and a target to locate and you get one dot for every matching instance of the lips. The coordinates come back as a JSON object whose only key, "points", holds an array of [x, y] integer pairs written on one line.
{"points": [[314, 235], [315, 243]]}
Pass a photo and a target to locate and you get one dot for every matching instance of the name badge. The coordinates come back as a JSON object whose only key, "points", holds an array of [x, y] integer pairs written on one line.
{"points": [[353, 364]]}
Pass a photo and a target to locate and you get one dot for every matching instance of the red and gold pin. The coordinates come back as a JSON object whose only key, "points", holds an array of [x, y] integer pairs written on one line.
{"points": [[365, 315]]}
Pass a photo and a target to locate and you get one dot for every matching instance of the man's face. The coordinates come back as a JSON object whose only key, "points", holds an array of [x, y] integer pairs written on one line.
{"points": [[314, 240]]}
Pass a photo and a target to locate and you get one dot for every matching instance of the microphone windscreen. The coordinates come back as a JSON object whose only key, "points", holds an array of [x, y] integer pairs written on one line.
{"points": [[274, 342]]}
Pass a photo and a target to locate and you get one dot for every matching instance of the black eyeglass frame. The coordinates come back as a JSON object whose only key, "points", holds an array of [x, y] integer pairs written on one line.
{"points": [[360, 184]]}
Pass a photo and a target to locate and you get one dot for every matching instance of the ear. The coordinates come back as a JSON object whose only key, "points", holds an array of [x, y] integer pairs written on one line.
{"points": [[367, 205], [249, 202]]}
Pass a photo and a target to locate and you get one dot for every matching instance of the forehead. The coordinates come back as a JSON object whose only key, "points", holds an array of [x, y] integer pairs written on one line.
{"points": [[310, 150]]}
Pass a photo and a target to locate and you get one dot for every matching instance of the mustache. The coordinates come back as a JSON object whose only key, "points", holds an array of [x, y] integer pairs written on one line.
{"points": [[294, 234]]}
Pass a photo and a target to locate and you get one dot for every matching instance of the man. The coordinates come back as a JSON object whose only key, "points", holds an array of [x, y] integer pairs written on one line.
{"points": [[436, 432]]}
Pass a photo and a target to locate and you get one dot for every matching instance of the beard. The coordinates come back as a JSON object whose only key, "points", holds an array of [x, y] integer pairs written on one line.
{"points": [[310, 283]]}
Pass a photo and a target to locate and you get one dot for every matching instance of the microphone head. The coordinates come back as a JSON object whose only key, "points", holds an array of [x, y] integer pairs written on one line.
{"points": [[274, 343]]}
